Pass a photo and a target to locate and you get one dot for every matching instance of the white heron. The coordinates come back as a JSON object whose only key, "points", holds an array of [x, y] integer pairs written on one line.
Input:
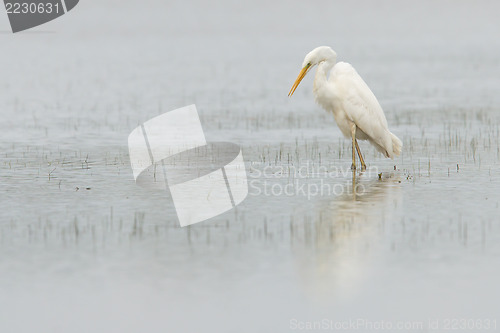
{"points": [[354, 106]]}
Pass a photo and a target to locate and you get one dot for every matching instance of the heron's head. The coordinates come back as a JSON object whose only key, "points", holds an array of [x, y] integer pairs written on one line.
{"points": [[313, 58]]}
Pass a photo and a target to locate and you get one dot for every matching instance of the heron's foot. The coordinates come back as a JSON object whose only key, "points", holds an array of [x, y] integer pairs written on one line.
{"points": [[353, 166], [363, 167]]}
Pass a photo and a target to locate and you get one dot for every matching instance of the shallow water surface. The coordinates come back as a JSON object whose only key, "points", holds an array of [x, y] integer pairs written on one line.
{"points": [[411, 242]]}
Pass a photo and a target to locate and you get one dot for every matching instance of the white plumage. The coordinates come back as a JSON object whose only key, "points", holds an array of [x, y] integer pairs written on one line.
{"points": [[354, 106]]}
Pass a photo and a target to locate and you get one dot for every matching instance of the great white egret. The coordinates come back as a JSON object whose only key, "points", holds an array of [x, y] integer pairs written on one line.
{"points": [[354, 106]]}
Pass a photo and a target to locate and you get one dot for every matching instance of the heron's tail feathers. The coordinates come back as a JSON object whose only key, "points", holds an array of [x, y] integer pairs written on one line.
{"points": [[396, 146]]}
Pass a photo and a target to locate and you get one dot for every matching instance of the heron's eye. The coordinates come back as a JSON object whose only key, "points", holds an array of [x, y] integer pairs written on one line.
{"points": [[308, 64]]}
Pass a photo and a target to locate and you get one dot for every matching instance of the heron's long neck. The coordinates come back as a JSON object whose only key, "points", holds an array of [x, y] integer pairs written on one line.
{"points": [[321, 78]]}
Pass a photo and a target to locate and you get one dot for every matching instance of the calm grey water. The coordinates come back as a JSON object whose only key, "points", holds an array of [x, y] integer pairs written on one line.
{"points": [[84, 249]]}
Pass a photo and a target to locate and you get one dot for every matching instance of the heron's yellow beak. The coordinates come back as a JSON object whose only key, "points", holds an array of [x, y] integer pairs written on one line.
{"points": [[302, 73]]}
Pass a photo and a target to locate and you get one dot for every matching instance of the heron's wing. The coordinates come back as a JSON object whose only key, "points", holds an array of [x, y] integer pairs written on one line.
{"points": [[360, 104]]}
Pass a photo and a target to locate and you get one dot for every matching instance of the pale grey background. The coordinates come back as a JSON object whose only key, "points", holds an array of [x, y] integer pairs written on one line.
{"points": [[111, 258]]}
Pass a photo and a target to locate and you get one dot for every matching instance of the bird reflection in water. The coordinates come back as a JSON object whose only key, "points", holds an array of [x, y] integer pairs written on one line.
{"points": [[339, 242]]}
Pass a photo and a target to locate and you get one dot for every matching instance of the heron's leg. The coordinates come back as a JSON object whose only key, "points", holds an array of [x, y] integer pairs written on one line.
{"points": [[353, 133], [363, 165]]}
